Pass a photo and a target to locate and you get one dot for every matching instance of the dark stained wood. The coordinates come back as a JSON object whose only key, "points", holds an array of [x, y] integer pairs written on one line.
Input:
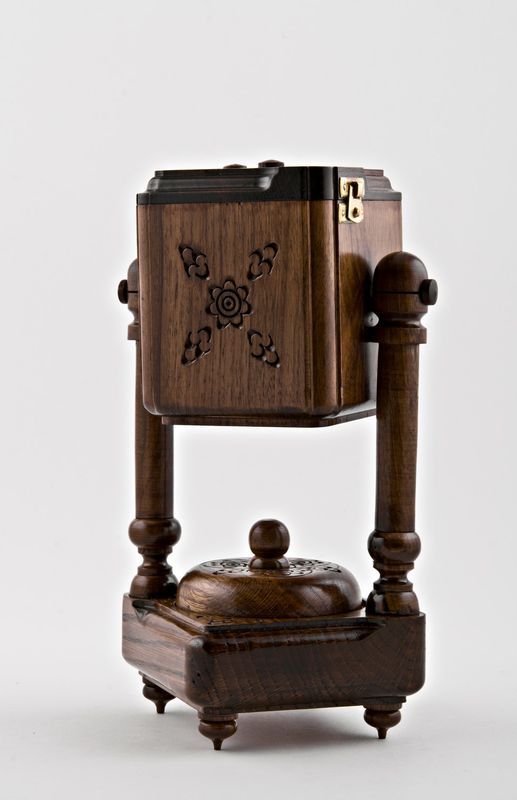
{"points": [[268, 585], [229, 666], [272, 181], [296, 351], [399, 289], [214, 623], [382, 716], [156, 694], [227, 379], [217, 728], [322, 333], [360, 411], [153, 459], [360, 248], [154, 530], [252, 313]]}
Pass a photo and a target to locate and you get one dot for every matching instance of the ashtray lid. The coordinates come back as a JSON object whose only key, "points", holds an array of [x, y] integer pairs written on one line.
{"points": [[269, 585]]}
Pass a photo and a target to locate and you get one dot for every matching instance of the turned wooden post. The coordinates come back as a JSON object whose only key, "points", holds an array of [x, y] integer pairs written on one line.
{"points": [[154, 530], [401, 294]]}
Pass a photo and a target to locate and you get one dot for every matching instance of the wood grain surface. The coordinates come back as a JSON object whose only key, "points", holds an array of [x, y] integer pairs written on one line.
{"points": [[220, 668], [298, 351], [402, 292], [269, 584]]}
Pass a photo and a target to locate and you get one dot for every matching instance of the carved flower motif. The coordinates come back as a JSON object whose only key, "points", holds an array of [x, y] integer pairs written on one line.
{"points": [[229, 304]]}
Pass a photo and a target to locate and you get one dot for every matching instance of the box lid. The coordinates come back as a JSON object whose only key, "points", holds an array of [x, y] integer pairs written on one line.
{"points": [[271, 180]]}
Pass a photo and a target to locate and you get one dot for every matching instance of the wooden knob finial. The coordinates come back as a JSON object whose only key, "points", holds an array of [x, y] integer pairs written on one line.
{"points": [[123, 292], [399, 273], [269, 541], [428, 292], [401, 294]]}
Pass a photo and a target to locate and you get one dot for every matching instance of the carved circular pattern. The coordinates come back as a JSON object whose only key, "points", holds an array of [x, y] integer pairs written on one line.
{"points": [[297, 566], [229, 304]]}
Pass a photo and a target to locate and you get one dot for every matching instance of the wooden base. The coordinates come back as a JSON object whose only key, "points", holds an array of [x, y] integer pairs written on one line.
{"points": [[223, 667]]}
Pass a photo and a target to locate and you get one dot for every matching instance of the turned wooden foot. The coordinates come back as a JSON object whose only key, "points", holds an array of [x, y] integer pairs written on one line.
{"points": [[156, 694], [218, 728], [382, 717]]}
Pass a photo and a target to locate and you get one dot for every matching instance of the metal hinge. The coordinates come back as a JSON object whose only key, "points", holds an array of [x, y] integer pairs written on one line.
{"points": [[350, 205]]}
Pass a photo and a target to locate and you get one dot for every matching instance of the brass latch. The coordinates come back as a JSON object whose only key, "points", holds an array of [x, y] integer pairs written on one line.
{"points": [[350, 206]]}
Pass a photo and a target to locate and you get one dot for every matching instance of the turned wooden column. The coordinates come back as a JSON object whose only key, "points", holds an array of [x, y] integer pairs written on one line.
{"points": [[154, 530], [401, 294]]}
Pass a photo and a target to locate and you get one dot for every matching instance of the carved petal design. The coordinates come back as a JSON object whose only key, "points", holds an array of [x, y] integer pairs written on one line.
{"points": [[229, 304], [195, 262], [197, 345], [262, 261], [263, 348]]}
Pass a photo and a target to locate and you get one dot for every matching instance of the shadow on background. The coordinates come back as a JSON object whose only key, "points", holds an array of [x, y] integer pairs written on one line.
{"points": [[129, 733]]}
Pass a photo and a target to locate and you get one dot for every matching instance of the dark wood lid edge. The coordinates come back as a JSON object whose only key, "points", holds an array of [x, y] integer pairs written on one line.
{"points": [[261, 184]]}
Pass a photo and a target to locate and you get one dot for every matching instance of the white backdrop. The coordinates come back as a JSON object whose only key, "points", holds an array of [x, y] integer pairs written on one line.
{"points": [[95, 97]]}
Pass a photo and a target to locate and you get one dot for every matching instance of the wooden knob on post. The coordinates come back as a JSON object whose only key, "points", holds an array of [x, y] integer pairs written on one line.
{"points": [[269, 541], [123, 292], [428, 292]]}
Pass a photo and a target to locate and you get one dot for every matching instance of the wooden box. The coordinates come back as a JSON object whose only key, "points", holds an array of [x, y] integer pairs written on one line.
{"points": [[254, 292]]}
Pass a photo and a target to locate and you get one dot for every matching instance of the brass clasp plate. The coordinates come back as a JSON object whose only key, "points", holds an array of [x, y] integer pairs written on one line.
{"points": [[350, 205]]}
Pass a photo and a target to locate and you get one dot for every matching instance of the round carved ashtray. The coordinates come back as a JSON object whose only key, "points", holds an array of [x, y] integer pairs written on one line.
{"points": [[268, 586]]}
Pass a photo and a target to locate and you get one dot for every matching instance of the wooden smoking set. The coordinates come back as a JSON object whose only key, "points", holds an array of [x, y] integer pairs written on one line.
{"points": [[275, 296]]}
